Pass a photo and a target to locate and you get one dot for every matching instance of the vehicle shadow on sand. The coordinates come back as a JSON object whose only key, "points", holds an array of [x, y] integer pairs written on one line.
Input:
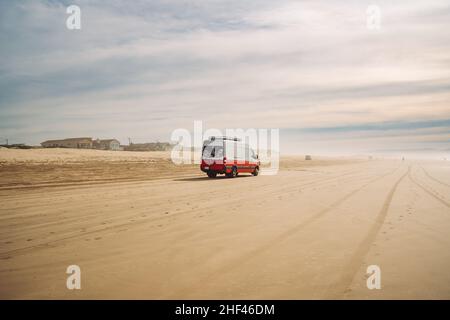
{"points": [[205, 178]]}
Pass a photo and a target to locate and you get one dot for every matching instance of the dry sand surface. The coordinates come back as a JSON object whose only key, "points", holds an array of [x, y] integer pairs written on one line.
{"points": [[140, 227]]}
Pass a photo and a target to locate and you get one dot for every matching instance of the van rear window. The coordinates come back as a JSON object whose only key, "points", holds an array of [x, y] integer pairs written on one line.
{"points": [[211, 151]]}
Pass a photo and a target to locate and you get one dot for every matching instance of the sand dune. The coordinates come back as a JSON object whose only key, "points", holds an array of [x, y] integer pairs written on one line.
{"points": [[140, 227]]}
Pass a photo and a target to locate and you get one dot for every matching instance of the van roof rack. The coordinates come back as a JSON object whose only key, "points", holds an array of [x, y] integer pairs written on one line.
{"points": [[224, 138]]}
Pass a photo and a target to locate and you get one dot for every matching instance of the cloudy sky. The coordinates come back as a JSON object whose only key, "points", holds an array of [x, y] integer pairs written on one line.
{"points": [[314, 69]]}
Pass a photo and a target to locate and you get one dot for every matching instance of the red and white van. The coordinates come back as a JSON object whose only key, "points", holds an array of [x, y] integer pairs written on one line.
{"points": [[229, 156]]}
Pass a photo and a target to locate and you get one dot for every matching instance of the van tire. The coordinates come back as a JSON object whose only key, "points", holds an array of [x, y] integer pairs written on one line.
{"points": [[233, 173], [256, 171], [211, 174]]}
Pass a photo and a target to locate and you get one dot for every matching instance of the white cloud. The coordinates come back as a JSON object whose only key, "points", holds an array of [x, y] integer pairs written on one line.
{"points": [[163, 64]]}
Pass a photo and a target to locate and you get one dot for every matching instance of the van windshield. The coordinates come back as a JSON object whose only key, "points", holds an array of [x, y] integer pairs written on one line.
{"points": [[212, 151]]}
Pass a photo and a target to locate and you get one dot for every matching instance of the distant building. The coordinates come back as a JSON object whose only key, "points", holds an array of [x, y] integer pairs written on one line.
{"points": [[83, 143], [107, 144], [77, 143]]}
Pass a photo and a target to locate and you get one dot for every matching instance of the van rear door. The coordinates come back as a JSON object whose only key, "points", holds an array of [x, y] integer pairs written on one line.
{"points": [[212, 155]]}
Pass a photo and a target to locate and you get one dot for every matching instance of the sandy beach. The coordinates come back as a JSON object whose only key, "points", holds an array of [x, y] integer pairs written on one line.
{"points": [[140, 227]]}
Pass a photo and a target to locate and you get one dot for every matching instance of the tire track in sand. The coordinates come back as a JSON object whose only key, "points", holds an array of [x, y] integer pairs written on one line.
{"points": [[100, 229], [357, 259], [248, 256], [433, 178], [445, 203], [51, 243]]}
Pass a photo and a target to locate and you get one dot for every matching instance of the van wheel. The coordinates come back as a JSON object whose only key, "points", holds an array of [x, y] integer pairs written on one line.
{"points": [[233, 173], [212, 174], [256, 171]]}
